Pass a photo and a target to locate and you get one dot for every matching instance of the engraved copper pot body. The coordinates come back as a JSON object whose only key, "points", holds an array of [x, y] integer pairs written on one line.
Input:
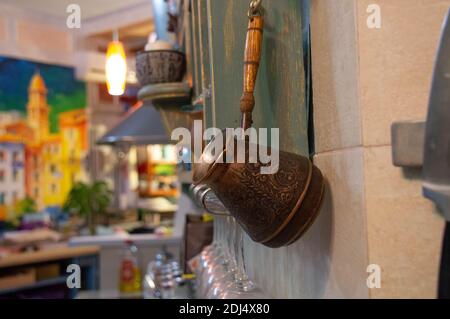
{"points": [[274, 209]]}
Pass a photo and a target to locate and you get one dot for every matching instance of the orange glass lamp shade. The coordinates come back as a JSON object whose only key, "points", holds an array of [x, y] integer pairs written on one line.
{"points": [[116, 68]]}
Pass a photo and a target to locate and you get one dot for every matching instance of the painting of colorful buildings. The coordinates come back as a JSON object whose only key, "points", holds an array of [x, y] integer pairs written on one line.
{"points": [[42, 145]]}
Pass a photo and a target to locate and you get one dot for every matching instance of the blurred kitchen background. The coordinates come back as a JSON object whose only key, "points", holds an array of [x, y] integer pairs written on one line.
{"points": [[94, 205], [88, 173]]}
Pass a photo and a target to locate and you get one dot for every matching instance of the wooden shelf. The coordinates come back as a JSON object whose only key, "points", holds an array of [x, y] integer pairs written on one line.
{"points": [[163, 176], [165, 193], [45, 255], [36, 285], [162, 162]]}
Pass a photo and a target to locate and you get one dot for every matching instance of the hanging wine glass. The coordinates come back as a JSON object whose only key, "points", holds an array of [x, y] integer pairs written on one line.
{"points": [[225, 281], [224, 265], [223, 271], [242, 287], [211, 257], [211, 250]]}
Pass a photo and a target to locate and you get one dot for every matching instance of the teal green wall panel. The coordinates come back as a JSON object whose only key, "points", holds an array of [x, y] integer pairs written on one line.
{"points": [[280, 89]]}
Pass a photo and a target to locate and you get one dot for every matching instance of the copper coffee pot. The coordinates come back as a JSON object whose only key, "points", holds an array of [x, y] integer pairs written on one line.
{"points": [[274, 209]]}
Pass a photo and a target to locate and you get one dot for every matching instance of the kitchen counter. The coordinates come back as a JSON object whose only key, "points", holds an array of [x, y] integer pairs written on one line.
{"points": [[47, 254], [120, 239], [43, 273], [112, 248]]}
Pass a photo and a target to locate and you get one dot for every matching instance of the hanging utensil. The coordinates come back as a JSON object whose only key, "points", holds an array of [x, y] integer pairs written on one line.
{"points": [[274, 209]]}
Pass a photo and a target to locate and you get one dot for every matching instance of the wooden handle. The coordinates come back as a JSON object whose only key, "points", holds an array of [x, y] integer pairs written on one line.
{"points": [[252, 57]]}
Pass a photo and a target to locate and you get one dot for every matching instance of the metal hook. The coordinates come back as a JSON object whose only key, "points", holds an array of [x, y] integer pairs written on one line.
{"points": [[255, 9]]}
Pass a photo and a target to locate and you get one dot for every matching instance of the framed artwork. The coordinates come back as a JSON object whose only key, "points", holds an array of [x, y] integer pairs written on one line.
{"points": [[43, 135]]}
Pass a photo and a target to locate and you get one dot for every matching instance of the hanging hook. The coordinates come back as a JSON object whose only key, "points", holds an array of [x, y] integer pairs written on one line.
{"points": [[255, 9]]}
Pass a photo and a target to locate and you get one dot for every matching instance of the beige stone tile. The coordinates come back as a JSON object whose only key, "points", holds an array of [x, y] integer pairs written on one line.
{"points": [[334, 64], [404, 231], [330, 260], [396, 63], [3, 35], [35, 36]]}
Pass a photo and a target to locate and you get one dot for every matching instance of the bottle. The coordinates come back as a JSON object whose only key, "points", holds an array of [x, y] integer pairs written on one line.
{"points": [[163, 275], [130, 274]]}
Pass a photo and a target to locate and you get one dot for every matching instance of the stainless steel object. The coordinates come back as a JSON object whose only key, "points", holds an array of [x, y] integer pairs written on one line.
{"points": [[212, 203], [436, 166], [162, 277], [407, 139], [142, 125], [206, 199]]}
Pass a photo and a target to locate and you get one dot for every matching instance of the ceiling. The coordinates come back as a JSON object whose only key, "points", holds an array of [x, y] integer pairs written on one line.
{"points": [[133, 36], [89, 8]]}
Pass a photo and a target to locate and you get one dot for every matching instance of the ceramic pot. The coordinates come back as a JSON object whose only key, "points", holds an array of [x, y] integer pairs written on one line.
{"points": [[160, 66]]}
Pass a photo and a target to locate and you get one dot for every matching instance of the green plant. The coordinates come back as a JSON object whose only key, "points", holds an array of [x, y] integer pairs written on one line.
{"points": [[164, 169], [25, 206], [88, 201]]}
